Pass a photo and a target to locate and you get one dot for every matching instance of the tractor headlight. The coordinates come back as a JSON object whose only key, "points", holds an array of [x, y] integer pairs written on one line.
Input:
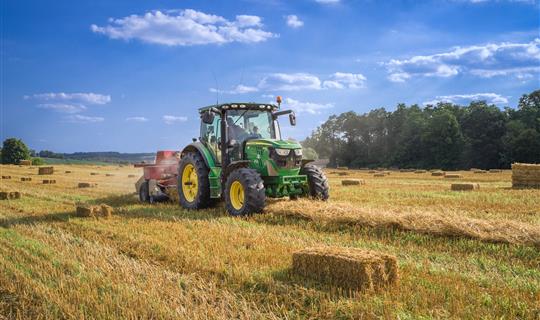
{"points": [[298, 152], [283, 152]]}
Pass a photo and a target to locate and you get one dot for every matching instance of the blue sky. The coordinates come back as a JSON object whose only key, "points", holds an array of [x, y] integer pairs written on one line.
{"points": [[128, 76]]}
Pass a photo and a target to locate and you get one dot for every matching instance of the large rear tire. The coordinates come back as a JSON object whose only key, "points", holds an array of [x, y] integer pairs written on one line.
{"points": [[317, 182], [193, 182], [144, 194], [244, 192]]}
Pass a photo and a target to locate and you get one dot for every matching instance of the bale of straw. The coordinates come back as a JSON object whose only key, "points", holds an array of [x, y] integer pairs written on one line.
{"points": [[105, 210], [372, 171], [480, 171], [14, 195], [420, 171], [525, 175], [86, 185], [4, 195], [464, 186], [6, 177], [387, 172], [94, 173], [25, 162], [495, 171], [379, 175], [67, 171], [131, 176], [352, 182], [348, 268], [26, 179], [109, 175], [45, 170], [84, 211], [452, 176], [342, 173], [49, 181], [342, 168], [438, 173]]}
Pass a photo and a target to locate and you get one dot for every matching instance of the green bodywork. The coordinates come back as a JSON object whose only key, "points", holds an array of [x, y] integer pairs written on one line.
{"points": [[279, 181]]}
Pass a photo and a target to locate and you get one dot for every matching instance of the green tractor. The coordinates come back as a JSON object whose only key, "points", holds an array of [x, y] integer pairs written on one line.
{"points": [[241, 157]]}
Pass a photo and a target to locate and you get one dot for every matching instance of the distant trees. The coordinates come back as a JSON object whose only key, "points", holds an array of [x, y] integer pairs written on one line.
{"points": [[14, 150], [446, 136]]}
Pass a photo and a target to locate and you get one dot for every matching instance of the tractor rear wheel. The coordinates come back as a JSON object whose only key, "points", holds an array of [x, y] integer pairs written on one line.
{"points": [[317, 182], [193, 182], [244, 192], [144, 194]]}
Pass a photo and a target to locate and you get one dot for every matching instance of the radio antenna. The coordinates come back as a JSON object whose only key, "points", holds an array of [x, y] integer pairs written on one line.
{"points": [[217, 87]]}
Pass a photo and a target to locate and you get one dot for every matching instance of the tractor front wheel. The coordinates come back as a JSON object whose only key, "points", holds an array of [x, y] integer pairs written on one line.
{"points": [[244, 192], [193, 182], [317, 182]]}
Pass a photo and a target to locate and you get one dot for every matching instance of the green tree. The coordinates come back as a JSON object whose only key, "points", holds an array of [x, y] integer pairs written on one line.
{"points": [[310, 153], [443, 141], [14, 150]]}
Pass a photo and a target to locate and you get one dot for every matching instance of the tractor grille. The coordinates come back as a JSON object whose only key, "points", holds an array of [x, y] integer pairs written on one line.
{"points": [[291, 161]]}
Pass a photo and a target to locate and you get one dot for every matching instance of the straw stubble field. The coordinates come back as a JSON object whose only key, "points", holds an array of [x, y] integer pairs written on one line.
{"points": [[471, 254]]}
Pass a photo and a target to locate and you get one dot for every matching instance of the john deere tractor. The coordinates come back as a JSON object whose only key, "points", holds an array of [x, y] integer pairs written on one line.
{"points": [[241, 158]]}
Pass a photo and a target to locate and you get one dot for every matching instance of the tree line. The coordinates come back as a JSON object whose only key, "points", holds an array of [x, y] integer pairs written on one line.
{"points": [[445, 136]]}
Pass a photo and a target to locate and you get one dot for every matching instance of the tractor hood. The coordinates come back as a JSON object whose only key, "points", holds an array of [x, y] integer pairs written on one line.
{"points": [[281, 144]]}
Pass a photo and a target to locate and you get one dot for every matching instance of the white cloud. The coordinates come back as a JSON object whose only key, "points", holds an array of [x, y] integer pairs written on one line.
{"points": [[293, 21], [239, 89], [490, 98], [504, 59], [185, 28], [306, 107], [62, 107], [77, 118], [85, 98], [168, 119], [340, 80], [137, 119]]}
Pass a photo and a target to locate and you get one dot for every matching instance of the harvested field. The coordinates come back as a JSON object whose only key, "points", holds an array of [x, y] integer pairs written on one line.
{"points": [[352, 182], [453, 176], [160, 261], [379, 175], [525, 175], [342, 168], [45, 170], [464, 186], [341, 173], [348, 268]]}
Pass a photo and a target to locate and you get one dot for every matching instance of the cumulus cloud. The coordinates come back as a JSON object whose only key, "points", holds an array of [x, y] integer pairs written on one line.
{"points": [[306, 81], [340, 80], [504, 59], [136, 119], [185, 28], [77, 118], [168, 119], [490, 98], [68, 102], [239, 89], [293, 21], [306, 107]]}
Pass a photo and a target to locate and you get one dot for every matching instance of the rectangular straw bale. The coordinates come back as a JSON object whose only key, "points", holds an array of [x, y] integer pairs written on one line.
{"points": [[372, 171], [480, 171], [352, 182], [464, 186], [4, 195], [420, 171], [25, 162], [525, 175], [342, 173], [94, 173], [49, 181], [495, 170], [6, 177], [86, 185], [105, 210], [84, 211], [379, 174], [349, 268], [342, 168], [67, 171], [109, 175], [45, 170], [438, 173], [14, 195], [452, 176], [131, 176], [26, 179]]}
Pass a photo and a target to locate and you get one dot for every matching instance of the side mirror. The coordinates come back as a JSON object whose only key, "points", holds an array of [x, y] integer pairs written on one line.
{"points": [[292, 118], [207, 117]]}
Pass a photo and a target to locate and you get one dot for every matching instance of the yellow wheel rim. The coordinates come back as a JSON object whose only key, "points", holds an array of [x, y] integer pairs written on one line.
{"points": [[236, 194], [189, 182]]}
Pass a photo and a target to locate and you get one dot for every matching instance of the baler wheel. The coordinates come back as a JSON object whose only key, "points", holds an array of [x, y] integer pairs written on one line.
{"points": [[144, 194]]}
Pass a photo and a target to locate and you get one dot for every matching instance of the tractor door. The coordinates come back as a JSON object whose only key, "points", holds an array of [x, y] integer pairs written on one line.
{"points": [[211, 136]]}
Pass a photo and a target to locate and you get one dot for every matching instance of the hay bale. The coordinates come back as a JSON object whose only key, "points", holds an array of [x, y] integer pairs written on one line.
{"points": [[109, 175], [105, 210], [420, 171], [352, 182], [342, 168], [464, 186], [94, 173], [84, 211], [480, 171], [387, 172], [348, 268], [131, 176], [525, 175], [86, 185], [452, 176], [495, 171], [67, 171], [6, 177], [4, 195], [10, 195], [49, 181], [438, 173], [45, 170], [372, 171], [26, 179], [25, 162], [379, 174], [342, 173]]}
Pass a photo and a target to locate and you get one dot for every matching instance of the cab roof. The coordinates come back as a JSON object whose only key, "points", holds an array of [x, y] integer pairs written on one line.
{"points": [[241, 106]]}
